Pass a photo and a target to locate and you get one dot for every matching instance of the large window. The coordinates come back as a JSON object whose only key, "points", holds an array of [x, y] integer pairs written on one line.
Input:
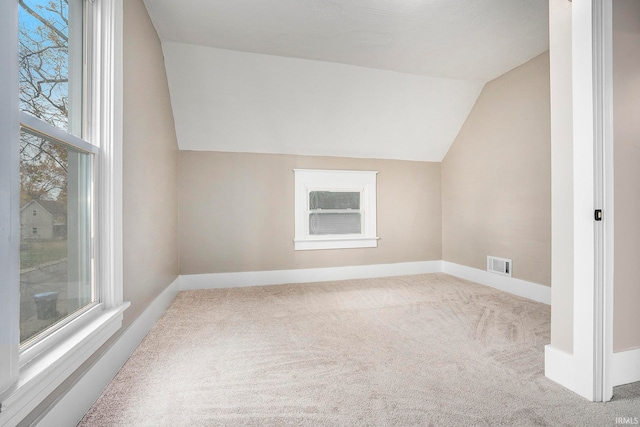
{"points": [[56, 167], [60, 179], [335, 209]]}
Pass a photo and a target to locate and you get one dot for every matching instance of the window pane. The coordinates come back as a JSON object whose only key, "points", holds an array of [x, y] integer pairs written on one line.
{"points": [[55, 243], [50, 46], [335, 223], [334, 200]]}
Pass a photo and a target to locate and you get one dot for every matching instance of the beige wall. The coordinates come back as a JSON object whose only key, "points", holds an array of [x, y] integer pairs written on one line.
{"points": [[237, 212], [496, 177], [150, 201], [626, 105]]}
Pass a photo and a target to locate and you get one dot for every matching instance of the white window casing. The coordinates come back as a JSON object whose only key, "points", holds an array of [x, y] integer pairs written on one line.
{"points": [[9, 197], [107, 109], [308, 181]]}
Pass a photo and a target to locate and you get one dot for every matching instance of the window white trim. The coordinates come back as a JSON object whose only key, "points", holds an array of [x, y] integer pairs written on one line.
{"points": [[9, 196], [308, 180], [45, 373], [27, 379], [106, 98]]}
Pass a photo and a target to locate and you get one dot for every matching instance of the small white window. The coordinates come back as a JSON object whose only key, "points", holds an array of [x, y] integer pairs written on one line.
{"points": [[335, 209], [35, 212]]}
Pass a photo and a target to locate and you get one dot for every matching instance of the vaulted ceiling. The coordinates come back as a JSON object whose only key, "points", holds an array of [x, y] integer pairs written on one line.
{"points": [[361, 78]]}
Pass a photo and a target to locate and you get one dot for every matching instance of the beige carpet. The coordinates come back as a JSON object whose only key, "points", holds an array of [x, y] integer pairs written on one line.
{"points": [[403, 351]]}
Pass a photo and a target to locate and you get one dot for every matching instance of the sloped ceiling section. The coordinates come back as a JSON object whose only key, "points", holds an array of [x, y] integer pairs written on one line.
{"points": [[362, 78], [245, 102], [459, 39]]}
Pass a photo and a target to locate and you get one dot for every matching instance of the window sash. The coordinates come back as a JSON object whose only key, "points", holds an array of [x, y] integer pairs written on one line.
{"points": [[52, 88], [335, 222], [311, 190], [334, 199], [70, 134], [72, 279], [40, 128]]}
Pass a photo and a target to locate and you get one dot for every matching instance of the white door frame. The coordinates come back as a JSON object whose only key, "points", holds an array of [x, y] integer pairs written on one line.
{"points": [[586, 370], [604, 197], [593, 179]]}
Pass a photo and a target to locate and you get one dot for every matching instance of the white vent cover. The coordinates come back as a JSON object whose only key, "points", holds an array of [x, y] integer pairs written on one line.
{"points": [[499, 265]]}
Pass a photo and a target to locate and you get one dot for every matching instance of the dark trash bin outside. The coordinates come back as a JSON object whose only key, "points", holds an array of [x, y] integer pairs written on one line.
{"points": [[46, 305]]}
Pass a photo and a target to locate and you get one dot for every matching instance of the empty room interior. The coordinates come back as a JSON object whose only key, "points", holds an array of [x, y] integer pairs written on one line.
{"points": [[320, 213]]}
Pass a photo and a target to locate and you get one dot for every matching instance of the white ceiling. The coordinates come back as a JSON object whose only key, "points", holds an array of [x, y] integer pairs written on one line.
{"points": [[461, 39], [389, 79]]}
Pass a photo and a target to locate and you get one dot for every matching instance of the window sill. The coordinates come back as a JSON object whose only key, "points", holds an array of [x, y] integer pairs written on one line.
{"points": [[45, 372], [335, 243]]}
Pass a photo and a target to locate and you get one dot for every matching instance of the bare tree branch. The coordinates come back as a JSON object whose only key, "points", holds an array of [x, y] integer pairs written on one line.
{"points": [[44, 62], [43, 20]]}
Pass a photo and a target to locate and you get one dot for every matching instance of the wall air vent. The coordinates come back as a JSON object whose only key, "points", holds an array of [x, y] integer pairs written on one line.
{"points": [[499, 265]]}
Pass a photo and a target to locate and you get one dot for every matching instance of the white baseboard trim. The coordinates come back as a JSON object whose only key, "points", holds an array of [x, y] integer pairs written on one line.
{"points": [[559, 366], [308, 275], [568, 371], [562, 368], [518, 287], [69, 409], [514, 286], [626, 367]]}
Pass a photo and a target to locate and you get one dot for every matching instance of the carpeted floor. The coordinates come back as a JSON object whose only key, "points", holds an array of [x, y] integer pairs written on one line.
{"points": [[402, 351]]}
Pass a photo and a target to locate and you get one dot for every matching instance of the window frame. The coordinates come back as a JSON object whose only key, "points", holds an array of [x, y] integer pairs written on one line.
{"points": [[311, 211], [28, 376], [309, 180]]}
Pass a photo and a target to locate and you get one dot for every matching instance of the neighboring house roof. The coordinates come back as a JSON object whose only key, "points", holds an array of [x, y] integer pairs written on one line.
{"points": [[53, 207]]}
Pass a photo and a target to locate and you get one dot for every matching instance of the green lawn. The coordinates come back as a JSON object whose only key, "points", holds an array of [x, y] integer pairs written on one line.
{"points": [[39, 252]]}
